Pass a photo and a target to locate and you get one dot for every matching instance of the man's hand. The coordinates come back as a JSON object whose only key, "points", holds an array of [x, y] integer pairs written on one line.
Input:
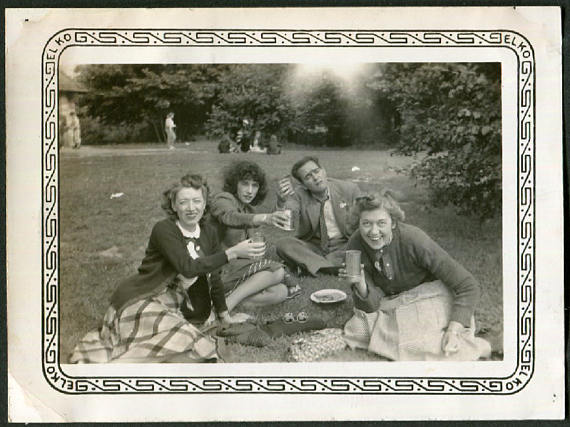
{"points": [[285, 188], [279, 219]]}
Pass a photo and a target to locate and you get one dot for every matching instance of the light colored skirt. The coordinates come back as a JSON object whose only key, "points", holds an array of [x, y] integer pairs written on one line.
{"points": [[411, 325], [170, 137], [148, 331]]}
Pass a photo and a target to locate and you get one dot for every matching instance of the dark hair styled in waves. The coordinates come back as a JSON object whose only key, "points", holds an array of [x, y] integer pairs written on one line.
{"points": [[384, 199], [300, 163], [242, 170], [187, 181]]}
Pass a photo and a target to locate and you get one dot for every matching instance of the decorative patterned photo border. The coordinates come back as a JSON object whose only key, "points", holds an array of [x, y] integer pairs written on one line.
{"points": [[510, 40]]}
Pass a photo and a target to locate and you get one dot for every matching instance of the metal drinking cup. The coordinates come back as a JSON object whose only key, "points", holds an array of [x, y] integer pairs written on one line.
{"points": [[352, 263]]}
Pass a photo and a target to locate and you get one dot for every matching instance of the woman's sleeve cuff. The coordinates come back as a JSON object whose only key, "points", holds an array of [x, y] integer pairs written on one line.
{"points": [[230, 255], [462, 315], [368, 304]]}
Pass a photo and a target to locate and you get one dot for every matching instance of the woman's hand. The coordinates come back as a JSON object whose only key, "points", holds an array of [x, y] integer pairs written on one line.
{"points": [[450, 342], [279, 219], [210, 320], [360, 281], [247, 249]]}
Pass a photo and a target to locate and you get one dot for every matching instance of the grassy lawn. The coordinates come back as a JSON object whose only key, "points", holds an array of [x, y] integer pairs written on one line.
{"points": [[102, 239]]}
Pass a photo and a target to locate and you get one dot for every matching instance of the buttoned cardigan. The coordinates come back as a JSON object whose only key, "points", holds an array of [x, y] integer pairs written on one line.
{"points": [[410, 259], [166, 256]]}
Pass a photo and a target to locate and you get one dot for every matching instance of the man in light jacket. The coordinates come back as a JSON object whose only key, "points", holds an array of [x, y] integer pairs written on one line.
{"points": [[320, 207]]}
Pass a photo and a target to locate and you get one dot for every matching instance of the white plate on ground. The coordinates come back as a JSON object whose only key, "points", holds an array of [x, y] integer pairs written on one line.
{"points": [[328, 296]]}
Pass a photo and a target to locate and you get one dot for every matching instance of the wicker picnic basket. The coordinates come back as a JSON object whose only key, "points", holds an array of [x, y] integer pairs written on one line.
{"points": [[316, 345]]}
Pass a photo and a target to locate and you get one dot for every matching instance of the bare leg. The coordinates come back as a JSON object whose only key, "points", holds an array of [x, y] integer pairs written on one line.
{"points": [[253, 285], [272, 295]]}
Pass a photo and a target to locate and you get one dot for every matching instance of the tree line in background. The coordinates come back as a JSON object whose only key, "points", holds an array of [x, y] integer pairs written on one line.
{"points": [[452, 112]]}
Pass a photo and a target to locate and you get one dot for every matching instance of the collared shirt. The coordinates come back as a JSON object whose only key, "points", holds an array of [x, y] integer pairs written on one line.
{"points": [[332, 226], [192, 251]]}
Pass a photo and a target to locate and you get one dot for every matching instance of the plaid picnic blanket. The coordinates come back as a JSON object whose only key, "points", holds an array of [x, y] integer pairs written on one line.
{"points": [[150, 330]]}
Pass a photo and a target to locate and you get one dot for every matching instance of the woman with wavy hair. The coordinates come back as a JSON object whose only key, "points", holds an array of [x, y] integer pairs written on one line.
{"points": [[157, 314], [412, 301], [260, 281]]}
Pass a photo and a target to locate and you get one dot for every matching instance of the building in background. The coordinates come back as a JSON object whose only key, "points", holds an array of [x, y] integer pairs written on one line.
{"points": [[69, 126]]}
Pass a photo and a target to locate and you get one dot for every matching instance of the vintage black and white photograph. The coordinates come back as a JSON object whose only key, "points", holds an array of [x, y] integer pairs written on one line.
{"points": [[233, 208], [280, 212]]}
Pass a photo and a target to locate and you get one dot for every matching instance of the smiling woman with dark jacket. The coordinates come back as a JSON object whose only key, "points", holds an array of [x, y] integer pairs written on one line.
{"points": [[155, 314], [412, 300]]}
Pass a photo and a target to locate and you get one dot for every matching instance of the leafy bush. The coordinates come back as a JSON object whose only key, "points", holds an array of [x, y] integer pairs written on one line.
{"points": [[253, 92], [316, 110], [95, 132], [122, 95], [452, 112]]}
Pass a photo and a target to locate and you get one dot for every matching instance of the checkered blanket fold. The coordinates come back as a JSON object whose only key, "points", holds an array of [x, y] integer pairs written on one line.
{"points": [[150, 330]]}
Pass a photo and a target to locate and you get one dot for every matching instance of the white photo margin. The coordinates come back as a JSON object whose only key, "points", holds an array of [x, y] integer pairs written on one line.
{"points": [[509, 45]]}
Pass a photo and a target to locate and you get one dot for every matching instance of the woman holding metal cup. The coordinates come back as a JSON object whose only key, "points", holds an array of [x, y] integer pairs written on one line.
{"points": [[258, 281], [412, 300]]}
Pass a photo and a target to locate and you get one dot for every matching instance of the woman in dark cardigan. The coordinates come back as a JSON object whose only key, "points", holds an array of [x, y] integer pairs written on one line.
{"points": [[412, 301], [155, 314]]}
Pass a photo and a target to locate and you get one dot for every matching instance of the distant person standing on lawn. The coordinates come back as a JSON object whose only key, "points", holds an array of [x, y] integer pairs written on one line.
{"points": [[321, 206], [244, 136], [155, 315], [412, 300], [260, 281], [273, 147], [169, 129]]}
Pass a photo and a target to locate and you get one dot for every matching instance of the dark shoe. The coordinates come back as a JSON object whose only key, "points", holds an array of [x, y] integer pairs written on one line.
{"points": [[234, 329], [333, 271], [293, 291], [295, 269]]}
